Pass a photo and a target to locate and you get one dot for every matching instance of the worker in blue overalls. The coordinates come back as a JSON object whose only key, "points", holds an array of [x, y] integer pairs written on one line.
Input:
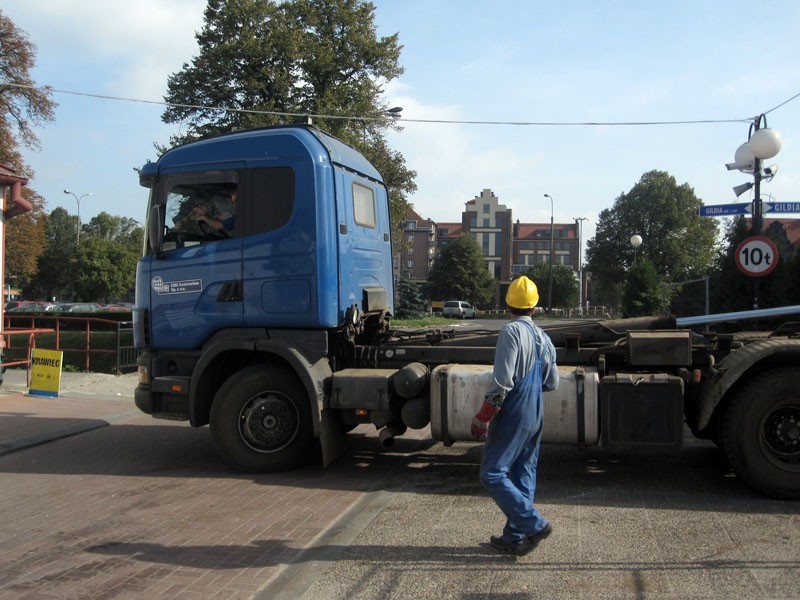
{"points": [[524, 365]]}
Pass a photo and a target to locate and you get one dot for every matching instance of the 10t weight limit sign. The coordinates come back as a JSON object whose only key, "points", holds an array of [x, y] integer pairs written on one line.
{"points": [[756, 256]]}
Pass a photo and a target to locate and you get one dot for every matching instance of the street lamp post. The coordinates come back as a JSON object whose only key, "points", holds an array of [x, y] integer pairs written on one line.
{"points": [[552, 257], [579, 221], [762, 143], [78, 200], [636, 241]]}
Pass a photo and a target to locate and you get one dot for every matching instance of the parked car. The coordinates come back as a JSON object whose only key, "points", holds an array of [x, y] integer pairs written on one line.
{"points": [[458, 309], [118, 307], [76, 307], [22, 307]]}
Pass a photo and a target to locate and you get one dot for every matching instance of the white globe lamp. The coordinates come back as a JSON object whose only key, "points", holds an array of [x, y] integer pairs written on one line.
{"points": [[765, 143]]}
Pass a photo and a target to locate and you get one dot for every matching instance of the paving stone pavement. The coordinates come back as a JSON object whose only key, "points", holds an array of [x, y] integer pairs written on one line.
{"points": [[100, 501]]}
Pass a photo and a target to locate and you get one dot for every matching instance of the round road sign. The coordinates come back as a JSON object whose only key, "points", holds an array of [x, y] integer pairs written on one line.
{"points": [[756, 256]]}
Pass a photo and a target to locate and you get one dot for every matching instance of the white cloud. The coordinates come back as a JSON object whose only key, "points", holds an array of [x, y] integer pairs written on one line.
{"points": [[137, 43]]}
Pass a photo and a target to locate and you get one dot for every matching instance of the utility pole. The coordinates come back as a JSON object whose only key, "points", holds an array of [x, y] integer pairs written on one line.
{"points": [[579, 221]]}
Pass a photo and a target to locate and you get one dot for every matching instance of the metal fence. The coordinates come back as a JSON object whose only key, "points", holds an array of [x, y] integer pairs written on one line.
{"points": [[115, 351]]}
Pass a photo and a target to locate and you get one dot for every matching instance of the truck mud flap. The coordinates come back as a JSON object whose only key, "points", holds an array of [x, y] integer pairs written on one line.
{"points": [[332, 438]]}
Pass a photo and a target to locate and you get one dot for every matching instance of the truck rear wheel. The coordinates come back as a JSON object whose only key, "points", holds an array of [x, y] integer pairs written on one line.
{"points": [[261, 420], [761, 433]]}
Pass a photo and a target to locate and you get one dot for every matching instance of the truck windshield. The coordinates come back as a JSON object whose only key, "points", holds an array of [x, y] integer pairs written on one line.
{"points": [[199, 212]]}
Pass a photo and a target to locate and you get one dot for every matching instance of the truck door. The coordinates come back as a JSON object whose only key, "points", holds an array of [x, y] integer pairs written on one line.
{"points": [[363, 238], [195, 281]]}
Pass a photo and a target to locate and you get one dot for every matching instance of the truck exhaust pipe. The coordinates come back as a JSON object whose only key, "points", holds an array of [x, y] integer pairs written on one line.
{"points": [[388, 433]]}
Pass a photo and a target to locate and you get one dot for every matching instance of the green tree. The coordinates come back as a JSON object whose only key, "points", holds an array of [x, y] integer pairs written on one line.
{"points": [[565, 285], [22, 107], [105, 269], [732, 290], [410, 302], [22, 104], [263, 62], [25, 242], [460, 273], [55, 264], [677, 242], [114, 228], [642, 296]]}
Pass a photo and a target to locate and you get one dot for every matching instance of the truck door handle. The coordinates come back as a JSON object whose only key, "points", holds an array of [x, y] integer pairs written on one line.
{"points": [[231, 292]]}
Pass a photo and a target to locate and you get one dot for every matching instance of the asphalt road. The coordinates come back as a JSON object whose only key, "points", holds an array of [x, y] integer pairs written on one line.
{"points": [[632, 525]]}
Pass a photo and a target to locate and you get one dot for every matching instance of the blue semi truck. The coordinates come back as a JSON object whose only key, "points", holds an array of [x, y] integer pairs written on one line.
{"points": [[263, 305]]}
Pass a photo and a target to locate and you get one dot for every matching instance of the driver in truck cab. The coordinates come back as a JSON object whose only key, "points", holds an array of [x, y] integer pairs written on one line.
{"points": [[227, 220]]}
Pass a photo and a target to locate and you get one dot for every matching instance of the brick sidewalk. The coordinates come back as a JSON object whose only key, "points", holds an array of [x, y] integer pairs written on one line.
{"points": [[141, 508]]}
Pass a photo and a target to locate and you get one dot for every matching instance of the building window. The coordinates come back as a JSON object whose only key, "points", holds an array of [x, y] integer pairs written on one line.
{"points": [[486, 208], [410, 251], [486, 223], [486, 244], [473, 222], [411, 239], [411, 224], [411, 264]]}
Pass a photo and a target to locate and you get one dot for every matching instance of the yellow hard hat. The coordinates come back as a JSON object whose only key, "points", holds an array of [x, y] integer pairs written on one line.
{"points": [[522, 293]]}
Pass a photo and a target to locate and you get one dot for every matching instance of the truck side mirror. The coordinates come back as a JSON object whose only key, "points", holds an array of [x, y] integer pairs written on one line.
{"points": [[155, 229]]}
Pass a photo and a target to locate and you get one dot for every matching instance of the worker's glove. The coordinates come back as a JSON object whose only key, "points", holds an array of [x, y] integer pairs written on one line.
{"points": [[480, 423]]}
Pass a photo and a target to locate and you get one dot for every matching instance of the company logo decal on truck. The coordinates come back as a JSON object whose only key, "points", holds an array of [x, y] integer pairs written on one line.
{"points": [[162, 287]]}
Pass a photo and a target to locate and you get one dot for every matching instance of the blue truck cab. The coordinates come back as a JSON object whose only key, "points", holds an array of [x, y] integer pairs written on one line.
{"points": [[264, 250]]}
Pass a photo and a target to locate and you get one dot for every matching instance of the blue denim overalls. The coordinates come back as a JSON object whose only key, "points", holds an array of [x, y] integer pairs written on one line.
{"points": [[508, 468]]}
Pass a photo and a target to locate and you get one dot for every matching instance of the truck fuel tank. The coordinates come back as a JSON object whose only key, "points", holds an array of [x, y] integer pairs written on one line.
{"points": [[571, 413]]}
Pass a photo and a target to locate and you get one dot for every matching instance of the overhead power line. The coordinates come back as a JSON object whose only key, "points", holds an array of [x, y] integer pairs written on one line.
{"points": [[406, 119]]}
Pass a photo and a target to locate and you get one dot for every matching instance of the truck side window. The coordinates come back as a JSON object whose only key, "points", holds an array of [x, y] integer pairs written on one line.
{"points": [[364, 205], [200, 212], [272, 198]]}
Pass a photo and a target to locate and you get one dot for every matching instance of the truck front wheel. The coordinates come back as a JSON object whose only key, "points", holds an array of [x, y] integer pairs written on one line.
{"points": [[261, 420], [761, 433]]}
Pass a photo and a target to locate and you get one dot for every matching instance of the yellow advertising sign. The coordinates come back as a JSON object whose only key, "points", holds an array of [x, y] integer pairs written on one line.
{"points": [[46, 372]]}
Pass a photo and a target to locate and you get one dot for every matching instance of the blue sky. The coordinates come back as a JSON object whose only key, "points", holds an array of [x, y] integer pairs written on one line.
{"points": [[520, 61]]}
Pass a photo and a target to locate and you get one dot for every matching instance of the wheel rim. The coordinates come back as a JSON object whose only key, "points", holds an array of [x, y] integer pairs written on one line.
{"points": [[268, 422], [780, 436]]}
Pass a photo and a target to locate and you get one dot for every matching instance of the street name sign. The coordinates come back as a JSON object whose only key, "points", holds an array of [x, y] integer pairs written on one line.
{"points": [[725, 210], [757, 256], [782, 207]]}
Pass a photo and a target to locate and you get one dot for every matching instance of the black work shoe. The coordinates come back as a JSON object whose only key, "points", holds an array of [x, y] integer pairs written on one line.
{"points": [[522, 547], [538, 537]]}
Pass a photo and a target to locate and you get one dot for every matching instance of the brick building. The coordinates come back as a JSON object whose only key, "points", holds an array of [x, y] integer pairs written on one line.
{"points": [[508, 247]]}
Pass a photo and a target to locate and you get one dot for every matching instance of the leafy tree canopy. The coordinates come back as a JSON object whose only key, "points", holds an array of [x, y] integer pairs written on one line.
{"points": [[676, 240], [261, 61], [643, 295], [105, 269], [565, 285], [732, 290], [25, 242], [22, 105], [460, 273]]}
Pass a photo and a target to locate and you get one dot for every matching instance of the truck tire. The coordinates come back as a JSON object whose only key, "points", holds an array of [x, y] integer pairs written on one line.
{"points": [[761, 433], [261, 420]]}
